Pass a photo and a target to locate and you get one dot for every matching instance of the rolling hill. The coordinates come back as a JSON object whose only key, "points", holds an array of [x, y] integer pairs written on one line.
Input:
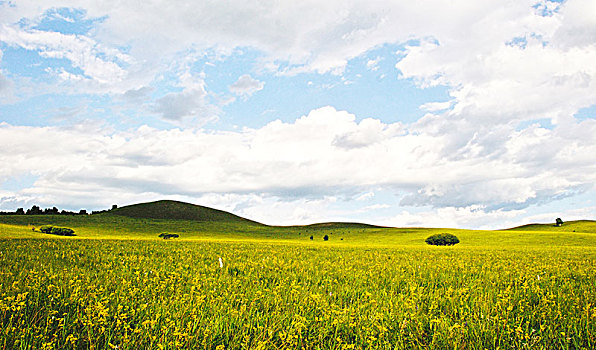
{"points": [[174, 210], [586, 226], [190, 222]]}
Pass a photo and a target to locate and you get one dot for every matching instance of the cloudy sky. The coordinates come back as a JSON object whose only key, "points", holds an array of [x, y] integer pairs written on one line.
{"points": [[472, 114]]}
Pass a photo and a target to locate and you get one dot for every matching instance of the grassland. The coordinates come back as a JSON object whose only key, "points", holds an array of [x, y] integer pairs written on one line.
{"points": [[117, 285]]}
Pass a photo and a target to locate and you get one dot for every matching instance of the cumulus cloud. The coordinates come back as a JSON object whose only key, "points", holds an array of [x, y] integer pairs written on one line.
{"points": [[466, 159], [435, 106], [451, 44], [281, 159], [246, 86], [465, 217], [328, 34], [495, 82]]}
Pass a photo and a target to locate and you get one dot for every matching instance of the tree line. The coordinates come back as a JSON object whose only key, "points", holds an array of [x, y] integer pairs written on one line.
{"points": [[36, 210]]}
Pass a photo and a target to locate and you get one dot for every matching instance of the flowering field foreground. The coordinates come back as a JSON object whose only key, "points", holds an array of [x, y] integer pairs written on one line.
{"points": [[118, 294]]}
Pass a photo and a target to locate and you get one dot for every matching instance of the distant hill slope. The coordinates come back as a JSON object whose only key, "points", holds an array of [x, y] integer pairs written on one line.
{"points": [[588, 226], [338, 225], [174, 210]]}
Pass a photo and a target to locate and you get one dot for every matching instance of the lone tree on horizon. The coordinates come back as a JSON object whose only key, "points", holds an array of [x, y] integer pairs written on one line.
{"points": [[558, 222]]}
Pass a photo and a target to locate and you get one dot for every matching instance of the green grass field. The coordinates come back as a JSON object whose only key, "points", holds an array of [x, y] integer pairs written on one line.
{"points": [[116, 285]]}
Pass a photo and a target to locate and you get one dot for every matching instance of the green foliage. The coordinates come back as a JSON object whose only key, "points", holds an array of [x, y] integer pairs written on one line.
{"points": [[442, 239], [59, 231], [559, 222], [166, 235], [46, 229]]}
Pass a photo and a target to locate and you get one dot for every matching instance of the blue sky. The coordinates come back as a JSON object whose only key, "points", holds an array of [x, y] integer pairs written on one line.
{"points": [[461, 115]]}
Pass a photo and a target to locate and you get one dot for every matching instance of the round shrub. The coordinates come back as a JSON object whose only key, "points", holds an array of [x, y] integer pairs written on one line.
{"points": [[442, 239], [62, 231], [46, 229], [166, 235], [54, 230]]}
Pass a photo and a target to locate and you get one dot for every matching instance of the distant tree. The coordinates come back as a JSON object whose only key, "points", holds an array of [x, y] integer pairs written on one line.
{"points": [[34, 211], [442, 239], [82, 212], [325, 238], [114, 206], [311, 237], [558, 222], [52, 211], [20, 211]]}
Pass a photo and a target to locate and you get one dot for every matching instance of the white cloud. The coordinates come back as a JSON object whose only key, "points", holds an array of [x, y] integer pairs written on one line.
{"points": [[300, 160], [461, 217], [494, 82], [369, 132], [188, 103], [5, 84], [578, 27], [504, 63], [463, 45], [326, 35], [97, 62], [566, 215], [435, 106], [376, 207], [272, 211], [478, 217], [246, 86], [373, 64], [137, 95], [366, 196]]}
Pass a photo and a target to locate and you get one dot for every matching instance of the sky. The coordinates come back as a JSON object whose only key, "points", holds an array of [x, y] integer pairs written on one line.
{"points": [[468, 114]]}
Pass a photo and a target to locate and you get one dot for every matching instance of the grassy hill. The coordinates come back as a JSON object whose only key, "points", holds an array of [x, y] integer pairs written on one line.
{"points": [[586, 226], [174, 210], [340, 225], [194, 222]]}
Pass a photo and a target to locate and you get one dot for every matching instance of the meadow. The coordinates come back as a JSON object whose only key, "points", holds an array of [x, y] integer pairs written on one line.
{"points": [[118, 286]]}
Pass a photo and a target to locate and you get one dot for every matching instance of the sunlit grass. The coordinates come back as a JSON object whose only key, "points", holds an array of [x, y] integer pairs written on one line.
{"points": [[117, 285]]}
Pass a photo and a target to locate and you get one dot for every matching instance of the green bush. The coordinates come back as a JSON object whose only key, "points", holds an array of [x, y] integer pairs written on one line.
{"points": [[46, 229], [54, 230], [166, 235], [442, 239]]}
